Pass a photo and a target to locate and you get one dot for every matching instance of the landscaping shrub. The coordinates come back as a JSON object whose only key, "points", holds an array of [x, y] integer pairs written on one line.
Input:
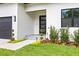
{"points": [[36, 43], [53, 34], [64, 35], [76, 36]]}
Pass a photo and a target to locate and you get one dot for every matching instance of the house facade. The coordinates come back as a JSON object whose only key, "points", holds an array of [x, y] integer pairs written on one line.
{"points": [[20, 19]]}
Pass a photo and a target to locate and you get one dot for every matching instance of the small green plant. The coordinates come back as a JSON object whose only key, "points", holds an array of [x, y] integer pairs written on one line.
{"points": [[76, 36], [53, 34], [64, 35], [36, 43]]}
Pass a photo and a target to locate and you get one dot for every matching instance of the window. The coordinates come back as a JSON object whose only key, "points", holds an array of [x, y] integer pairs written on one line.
{"points": [[70, 17], [14, 18], [76, 17], [66, 18]]}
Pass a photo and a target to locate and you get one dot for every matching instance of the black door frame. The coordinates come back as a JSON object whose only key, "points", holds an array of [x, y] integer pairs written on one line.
{"points": [[40, 23]]}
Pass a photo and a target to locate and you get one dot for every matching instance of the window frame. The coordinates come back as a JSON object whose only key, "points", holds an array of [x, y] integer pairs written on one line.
{"points": [[72, 17]]}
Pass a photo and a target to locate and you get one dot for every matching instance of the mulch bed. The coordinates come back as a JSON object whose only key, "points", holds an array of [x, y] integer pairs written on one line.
{"points": [[69, 43]]}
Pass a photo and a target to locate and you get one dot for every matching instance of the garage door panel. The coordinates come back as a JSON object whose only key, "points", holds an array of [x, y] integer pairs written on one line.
{"points": [[5, 33], [5, 27]]}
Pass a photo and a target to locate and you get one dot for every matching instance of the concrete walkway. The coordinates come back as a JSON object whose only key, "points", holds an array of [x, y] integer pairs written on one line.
{"points": [[4, 42], [5, 45]]}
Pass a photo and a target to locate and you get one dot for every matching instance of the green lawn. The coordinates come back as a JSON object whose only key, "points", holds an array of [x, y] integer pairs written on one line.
{"points": [[42, 50]]}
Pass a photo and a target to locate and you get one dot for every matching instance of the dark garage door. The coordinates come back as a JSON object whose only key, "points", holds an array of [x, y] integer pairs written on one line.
{"points": [[5, 27]]}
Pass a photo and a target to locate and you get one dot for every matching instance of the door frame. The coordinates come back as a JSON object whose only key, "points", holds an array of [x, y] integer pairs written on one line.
{"points": [[39, 22]]}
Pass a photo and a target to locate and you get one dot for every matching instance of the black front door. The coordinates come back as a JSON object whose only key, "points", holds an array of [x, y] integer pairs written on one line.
{"points": [[5, 27], [42, 24]]}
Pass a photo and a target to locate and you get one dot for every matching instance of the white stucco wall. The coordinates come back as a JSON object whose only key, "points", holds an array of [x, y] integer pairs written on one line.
{"points": [[25, 22], [27, 16], [6, 10], [53, 13]]}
